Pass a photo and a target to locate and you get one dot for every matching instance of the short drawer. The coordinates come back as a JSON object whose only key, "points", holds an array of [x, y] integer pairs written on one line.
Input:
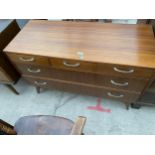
{"points": [[73, 65], [28, 59], [83, 89], [124, 71], [105, 69], [33, 70]]}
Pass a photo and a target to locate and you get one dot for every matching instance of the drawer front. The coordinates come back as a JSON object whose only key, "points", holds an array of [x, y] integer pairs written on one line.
{"points": [[125, 71], [104, 69], [28, 59], [3, 76], [73, 65], [131, 84], [33, 70], [83, 89]]}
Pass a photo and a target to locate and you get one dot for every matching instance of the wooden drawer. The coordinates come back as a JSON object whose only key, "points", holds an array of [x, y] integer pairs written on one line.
{"points": [[131, 84], [105, 69], [33, 70], [124, 71], [28, 59], [4, 77], [82, 89], [73, 65]]}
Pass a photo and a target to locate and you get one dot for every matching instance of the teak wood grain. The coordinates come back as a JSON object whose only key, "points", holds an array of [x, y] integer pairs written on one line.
{"points": [[102, 68], [106, 60], [89, 67], [29, 59], [132, 45], [133, 84], [84, 89]]}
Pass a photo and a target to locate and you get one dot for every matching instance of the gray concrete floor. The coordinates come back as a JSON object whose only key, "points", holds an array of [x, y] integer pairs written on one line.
{"points": [[51, 102]]}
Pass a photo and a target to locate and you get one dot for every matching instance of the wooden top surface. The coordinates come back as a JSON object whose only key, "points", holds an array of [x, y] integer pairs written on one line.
{"points": [[98, 42]]}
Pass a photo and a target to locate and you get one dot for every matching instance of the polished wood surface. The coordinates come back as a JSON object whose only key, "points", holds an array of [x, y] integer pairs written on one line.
{"points": [[29, 59], [81, 66], [110, 69], [107, 60], [124, 83], [131, 45]]}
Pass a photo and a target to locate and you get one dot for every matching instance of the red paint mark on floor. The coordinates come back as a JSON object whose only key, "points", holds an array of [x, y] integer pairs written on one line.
{"points": [[99, 107]]}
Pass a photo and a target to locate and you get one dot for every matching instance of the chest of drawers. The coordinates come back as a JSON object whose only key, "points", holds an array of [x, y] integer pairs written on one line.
{"points": [[106, 60]]}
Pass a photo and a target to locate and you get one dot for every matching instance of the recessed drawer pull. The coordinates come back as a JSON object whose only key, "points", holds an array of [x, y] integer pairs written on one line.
{"points": [[26, 59], [34, 70], [119, 84], [115, 96], [123, 71], [40, 83], [71, 65]]}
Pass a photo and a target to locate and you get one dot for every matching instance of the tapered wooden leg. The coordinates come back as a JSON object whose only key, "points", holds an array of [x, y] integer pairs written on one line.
{"points": [[38, 90], [127, 106], [12, 88]]}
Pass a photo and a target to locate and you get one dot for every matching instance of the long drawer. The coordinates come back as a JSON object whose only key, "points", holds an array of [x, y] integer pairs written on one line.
{"points": [[83, 89], [131, 84], [119, 70]]}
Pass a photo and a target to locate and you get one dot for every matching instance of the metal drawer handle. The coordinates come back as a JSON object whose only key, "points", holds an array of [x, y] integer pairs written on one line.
{"points": [[40, 83], [26, 59], [123, 71], [33, 70], [71, 65], [115, 96], [119, 84]]}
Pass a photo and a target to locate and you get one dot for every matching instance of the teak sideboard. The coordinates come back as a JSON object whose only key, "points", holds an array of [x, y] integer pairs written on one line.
{"points": [[108, 60]]}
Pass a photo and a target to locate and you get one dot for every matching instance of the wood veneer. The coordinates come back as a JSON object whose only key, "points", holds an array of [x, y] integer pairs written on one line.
{"points": [[133, 84], [83, 88], [131, 45], [84, 57]]}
